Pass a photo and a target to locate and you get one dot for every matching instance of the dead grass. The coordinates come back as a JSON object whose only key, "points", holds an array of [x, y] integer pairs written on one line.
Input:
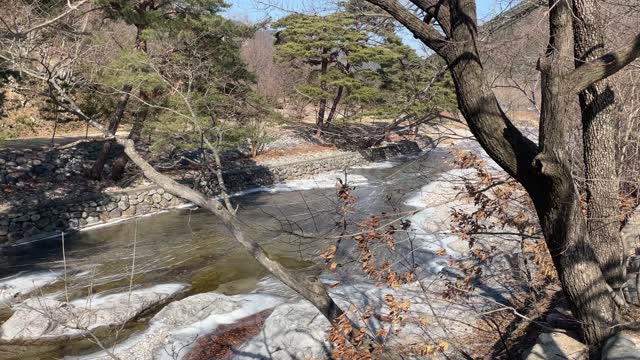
{"points": [[22, 119], [276, 154]]}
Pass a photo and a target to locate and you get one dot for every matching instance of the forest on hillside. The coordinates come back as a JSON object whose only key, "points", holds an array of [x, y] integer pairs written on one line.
{"points": [[358, 179]]}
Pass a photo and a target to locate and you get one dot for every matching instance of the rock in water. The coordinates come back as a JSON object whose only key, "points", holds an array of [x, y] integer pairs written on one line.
{"points": [[292, 331]]}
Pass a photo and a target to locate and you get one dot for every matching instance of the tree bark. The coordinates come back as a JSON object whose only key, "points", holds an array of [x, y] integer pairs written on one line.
{"points": [[599, 138], [334, 106], [558, 204], [120, 164], [114, 123], [323, 86]]}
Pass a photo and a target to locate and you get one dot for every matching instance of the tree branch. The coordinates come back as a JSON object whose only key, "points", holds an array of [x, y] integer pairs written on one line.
{"points": [[438, 10], [421, 30], [603, 67], [71, 8]]}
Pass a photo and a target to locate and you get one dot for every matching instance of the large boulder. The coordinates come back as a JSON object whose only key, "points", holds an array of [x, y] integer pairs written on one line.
{"points": [[622, 346], [292, 331], [557, 346]]}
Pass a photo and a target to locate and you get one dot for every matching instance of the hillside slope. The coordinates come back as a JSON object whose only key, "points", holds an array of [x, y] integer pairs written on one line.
{"points": [[512, 42]]}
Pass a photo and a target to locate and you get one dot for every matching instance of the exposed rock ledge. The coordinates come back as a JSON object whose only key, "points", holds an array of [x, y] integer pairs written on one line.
{"points": [[42, 325], [293, 330]]}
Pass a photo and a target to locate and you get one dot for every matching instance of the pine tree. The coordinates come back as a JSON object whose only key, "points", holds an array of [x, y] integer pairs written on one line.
{"points": [[340, 51], [359, 60], [183, 51]]}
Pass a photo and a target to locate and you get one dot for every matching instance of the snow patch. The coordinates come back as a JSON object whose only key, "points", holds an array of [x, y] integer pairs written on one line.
{"points": [[432, 221], [173, 331], [387, 164], [98, 300]]}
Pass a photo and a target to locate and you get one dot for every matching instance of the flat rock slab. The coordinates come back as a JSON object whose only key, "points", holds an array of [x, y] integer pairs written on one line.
{"points": [[17, 286], [43, 318], [175, 330]]}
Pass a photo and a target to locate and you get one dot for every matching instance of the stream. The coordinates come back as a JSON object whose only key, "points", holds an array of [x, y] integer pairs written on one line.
{"points": [[187, 246]]}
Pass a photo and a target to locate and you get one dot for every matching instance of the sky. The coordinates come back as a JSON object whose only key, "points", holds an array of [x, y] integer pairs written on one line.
{"points": [[257, 10]]}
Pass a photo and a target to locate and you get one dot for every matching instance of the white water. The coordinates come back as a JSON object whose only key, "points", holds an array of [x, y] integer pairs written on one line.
{"points": [[21, 284], [322, 181]]}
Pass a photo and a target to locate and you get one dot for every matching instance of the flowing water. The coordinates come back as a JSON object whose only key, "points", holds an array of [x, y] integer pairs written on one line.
{"points": [[192, 247]]}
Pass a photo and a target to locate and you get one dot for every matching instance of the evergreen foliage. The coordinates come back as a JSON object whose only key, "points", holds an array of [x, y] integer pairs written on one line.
{"points": [[366, 66], [191, 64]]}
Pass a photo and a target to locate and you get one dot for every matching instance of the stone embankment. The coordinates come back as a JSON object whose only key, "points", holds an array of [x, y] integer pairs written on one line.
{"points": [[46, 192]]}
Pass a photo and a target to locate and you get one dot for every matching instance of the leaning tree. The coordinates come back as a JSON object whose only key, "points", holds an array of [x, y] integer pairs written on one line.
{"points": [[582, 234]]}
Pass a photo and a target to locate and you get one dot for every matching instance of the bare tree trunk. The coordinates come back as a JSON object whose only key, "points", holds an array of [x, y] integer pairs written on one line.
{"points": [[114, 123], [599, 137], [120, 164], [323, 85], [334, 106], [559, 207]]}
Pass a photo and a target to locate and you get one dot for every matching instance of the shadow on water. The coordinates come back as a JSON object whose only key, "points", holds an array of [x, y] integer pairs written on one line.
{"points": [[47, 191]]}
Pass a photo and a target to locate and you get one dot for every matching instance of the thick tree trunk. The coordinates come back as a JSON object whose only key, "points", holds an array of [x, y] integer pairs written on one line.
{"points": [[549, 182], [559, 206], [114, 123], [599, 138], [334, 106], [120, 164], [562, 221]]}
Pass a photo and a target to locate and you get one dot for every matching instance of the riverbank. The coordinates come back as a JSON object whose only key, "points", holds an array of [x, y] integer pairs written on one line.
{"points": [[47, 192]]}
